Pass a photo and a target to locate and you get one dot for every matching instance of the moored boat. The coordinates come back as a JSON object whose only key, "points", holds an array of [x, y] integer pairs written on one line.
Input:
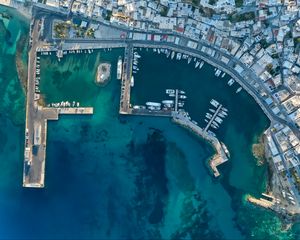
{"points": [[168, 102], [230, 82], [119, 68], [225, 150], [155, 104], [214, 103], [239, 89], [170, 91], [172, 54], [201, 64]]}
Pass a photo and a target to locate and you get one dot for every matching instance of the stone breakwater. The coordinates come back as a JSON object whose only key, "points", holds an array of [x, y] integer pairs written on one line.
{"points": [[220, 156]]}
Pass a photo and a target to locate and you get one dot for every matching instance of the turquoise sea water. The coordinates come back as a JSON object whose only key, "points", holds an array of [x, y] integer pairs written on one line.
{"points": [[111, 176]]}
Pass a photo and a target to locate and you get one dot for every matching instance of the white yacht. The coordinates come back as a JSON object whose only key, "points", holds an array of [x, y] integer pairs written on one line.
{"points": [[239, 89], [208, 115], [168, 102], [218, 120], [170, 91], [230, 82], [168, 53], [214, 103], [136, 55], [201, 64], [172, 55], [119, 68]]}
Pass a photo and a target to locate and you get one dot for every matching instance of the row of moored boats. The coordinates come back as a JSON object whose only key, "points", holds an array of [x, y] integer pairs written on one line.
{"points": [[135, 68], [178, 56], [75, 51], [168, 104], [64, 104], [37, 75], [215, 115], [231, 81]]}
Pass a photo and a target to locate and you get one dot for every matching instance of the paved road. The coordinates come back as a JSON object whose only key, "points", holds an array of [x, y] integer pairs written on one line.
{"points": [[30, 114], [34, 117]]}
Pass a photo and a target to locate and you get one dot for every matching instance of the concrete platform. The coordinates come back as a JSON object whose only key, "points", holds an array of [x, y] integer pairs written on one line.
{"points": [[145, 112], [5, 2], [77, 110]]}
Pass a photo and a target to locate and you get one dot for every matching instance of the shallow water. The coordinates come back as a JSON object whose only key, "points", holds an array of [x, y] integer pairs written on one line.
{"points": [[111, 176]]}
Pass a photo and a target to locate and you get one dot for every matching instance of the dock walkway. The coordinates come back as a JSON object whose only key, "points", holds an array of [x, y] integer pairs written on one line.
{"points": [[125, 81], [145, 112], [213, 118], [67, 110]]}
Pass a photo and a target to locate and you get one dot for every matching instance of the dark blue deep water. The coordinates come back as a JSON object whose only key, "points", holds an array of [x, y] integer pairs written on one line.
{"points": [[125, 177]]}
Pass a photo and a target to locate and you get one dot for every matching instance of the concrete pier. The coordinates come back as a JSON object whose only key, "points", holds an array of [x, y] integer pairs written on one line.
{"points": [[125, 81], [261, 202], [220, 156], [36, 122], [73, 110], [5, 2], [145, 112]]}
